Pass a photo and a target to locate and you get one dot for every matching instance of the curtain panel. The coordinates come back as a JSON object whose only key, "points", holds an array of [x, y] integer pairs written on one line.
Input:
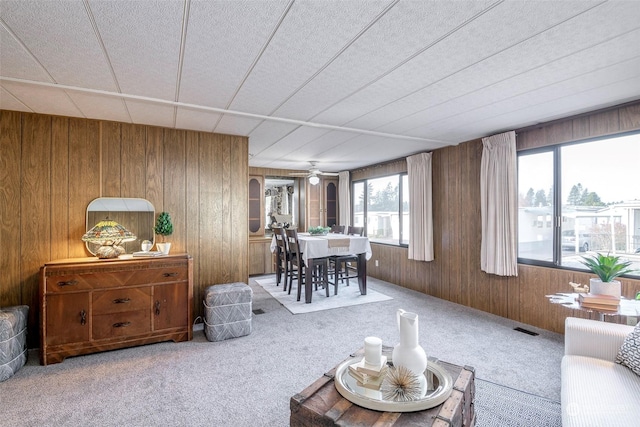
{"points": [[344, 199], [499, 205], [420, 207]]}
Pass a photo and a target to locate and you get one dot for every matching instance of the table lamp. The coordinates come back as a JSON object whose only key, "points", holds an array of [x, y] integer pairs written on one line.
{"points": [[109, 235]]}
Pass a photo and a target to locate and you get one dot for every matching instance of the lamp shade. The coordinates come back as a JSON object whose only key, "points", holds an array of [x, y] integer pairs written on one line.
{"points": [[314, 180], [109, 234]]}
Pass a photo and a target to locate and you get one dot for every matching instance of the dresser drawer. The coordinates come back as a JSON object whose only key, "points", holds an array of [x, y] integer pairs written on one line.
{"points": [[67, 283], [121, 324], [168, 274], [121, 300]]}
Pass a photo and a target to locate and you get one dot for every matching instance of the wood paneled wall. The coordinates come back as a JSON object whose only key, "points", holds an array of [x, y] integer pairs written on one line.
{"points": [[455, 274], [52, 167]]}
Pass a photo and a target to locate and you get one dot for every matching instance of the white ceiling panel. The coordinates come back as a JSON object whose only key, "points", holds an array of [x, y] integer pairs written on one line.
{"points": [[323, 28], [16, 61], [197, 120], [100, 107], [154, 47], [60, 36], [237, 125], [149, 113], [342, 83], [43, 99], [224, 39], [10, 102]]}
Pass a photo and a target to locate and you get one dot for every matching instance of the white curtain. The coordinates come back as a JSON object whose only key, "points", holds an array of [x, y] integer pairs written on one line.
{"points": [[499, 205], [344, 199], [420, 207]]}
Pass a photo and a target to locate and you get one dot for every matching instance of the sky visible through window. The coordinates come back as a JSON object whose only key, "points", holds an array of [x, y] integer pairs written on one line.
{"points": [[610, 168]]}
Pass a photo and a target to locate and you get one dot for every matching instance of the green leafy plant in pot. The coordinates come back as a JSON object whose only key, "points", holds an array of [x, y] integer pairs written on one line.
{"points": [[607, 268], [163, 228]]}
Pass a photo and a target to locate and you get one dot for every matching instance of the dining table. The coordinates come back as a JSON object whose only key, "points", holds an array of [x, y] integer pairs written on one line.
{"points": [[333, 244]]}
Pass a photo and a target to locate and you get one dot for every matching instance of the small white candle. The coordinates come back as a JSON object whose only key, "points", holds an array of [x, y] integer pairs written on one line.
{"points": [[372, 350]]}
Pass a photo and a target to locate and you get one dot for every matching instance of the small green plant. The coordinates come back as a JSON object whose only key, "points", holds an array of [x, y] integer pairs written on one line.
{"points": [[318, 230], [607, 267], [164, 226]]}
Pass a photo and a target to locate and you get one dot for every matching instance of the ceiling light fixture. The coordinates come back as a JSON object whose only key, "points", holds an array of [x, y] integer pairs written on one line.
{"points": [[314, 180]]}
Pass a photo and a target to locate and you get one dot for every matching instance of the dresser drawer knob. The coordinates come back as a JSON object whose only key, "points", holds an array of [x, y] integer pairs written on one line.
{"points": [[121, 324], [68, 283], [170, 274], [157, 308], [121, 300], [83, 317]]}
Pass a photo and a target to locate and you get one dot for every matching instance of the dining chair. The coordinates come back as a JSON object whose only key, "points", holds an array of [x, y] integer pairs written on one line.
{"points": [[337, 229], [282, 256], [317, 272], [347, 261]]}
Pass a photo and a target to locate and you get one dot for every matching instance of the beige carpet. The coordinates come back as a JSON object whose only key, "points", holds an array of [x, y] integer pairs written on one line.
{"points": [[347, 296]]}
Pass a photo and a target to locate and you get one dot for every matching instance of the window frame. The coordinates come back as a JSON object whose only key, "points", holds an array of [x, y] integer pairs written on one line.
{"points": [[401, 193], [556, 151]]}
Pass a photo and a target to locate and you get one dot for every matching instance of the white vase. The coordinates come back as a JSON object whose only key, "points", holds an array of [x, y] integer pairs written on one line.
{"points": [[408, 352], [164, 247], [598, 287]]}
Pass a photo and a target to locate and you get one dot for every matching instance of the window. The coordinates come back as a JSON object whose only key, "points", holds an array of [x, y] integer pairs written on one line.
{"points": [[595, 209], [383, 209]]}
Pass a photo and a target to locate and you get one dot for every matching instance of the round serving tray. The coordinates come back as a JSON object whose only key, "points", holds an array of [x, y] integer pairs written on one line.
{"points": [[439, 387]]}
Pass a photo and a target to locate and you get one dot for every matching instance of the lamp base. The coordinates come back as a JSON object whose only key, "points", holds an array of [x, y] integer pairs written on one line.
{"points": [[109, 251]]}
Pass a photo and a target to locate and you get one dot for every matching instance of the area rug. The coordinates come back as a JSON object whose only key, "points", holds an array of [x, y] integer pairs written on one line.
{"points": [[500, 406], [347, 296]]}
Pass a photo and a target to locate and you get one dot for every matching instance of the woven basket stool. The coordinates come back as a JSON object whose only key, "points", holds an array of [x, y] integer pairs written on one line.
{"points": [[227, 311], [13, 339]]}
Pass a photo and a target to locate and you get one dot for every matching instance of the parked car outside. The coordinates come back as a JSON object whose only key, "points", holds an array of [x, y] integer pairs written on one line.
{"points": [[569, 241]]}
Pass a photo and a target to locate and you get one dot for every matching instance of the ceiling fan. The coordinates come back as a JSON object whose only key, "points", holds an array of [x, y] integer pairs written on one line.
{"points": [[313, 174]]}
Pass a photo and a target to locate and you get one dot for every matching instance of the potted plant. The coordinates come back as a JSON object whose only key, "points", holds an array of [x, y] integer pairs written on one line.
{"points": [[607, 268], [163, 228]]}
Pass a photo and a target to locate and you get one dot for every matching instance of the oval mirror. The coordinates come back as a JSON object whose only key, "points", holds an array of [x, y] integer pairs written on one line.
{"points": [[136, 215]]}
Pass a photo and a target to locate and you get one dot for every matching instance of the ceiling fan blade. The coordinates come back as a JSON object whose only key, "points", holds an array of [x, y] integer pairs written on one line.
{"points": [[330, 173], [298, 173]]}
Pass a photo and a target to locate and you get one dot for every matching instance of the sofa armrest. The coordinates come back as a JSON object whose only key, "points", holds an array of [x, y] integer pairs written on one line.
{"points": [[592, 338]]}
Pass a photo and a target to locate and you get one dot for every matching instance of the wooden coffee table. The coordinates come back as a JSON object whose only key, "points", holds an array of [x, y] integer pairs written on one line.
{"points": [[320, 404]]}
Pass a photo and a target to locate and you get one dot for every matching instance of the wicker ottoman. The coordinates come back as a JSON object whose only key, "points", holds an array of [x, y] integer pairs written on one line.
{"points": [[13, 339], [227, 311]]}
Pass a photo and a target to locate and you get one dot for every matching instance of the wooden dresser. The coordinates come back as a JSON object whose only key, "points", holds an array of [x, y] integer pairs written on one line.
{"points": [[89, 305]]}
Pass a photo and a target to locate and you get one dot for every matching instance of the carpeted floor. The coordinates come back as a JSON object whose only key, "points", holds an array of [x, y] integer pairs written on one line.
{"points": [[500, 406], [347, 296], [249, 381]]}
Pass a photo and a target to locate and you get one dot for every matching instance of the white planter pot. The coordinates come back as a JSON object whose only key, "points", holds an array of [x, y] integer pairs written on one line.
{"points": [[164, 247], [597, 286]]}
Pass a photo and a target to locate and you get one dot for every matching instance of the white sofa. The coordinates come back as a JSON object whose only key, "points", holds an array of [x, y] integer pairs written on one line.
{"points": [[596, 391]]}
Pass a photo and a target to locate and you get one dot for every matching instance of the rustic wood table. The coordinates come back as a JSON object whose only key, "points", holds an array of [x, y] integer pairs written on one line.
{"points": [[320, 404]]}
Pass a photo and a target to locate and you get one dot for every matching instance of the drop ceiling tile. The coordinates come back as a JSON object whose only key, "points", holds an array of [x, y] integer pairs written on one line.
{"points": [[197, 120], [460, 54], [151, 114], [224, 39], [100, 107], [153, 47], [17, 62], [10, 102], [236, 125], [43, 100], [323, 28], [60, 36], [267, 134]]}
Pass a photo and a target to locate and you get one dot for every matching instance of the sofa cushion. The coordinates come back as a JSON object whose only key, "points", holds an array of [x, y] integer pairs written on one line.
{"points": [[629, 354], [598, 392]]}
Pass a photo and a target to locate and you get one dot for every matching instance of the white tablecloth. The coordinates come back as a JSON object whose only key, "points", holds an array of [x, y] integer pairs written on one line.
{"points": [[318, 246]]}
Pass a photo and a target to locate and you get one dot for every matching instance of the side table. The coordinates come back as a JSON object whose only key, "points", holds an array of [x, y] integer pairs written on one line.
{"points": [[320, 404], [627, 307]]}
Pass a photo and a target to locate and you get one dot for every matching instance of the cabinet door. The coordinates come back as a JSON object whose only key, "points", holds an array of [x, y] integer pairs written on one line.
{"points": [[67, 318], [330, 202], [170, 304], [256, 205]]}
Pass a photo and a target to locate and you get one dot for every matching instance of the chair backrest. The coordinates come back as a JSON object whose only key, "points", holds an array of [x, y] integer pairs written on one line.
{"points": [[281, 238], [337, 229], [294, 246], [355, 231]]}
